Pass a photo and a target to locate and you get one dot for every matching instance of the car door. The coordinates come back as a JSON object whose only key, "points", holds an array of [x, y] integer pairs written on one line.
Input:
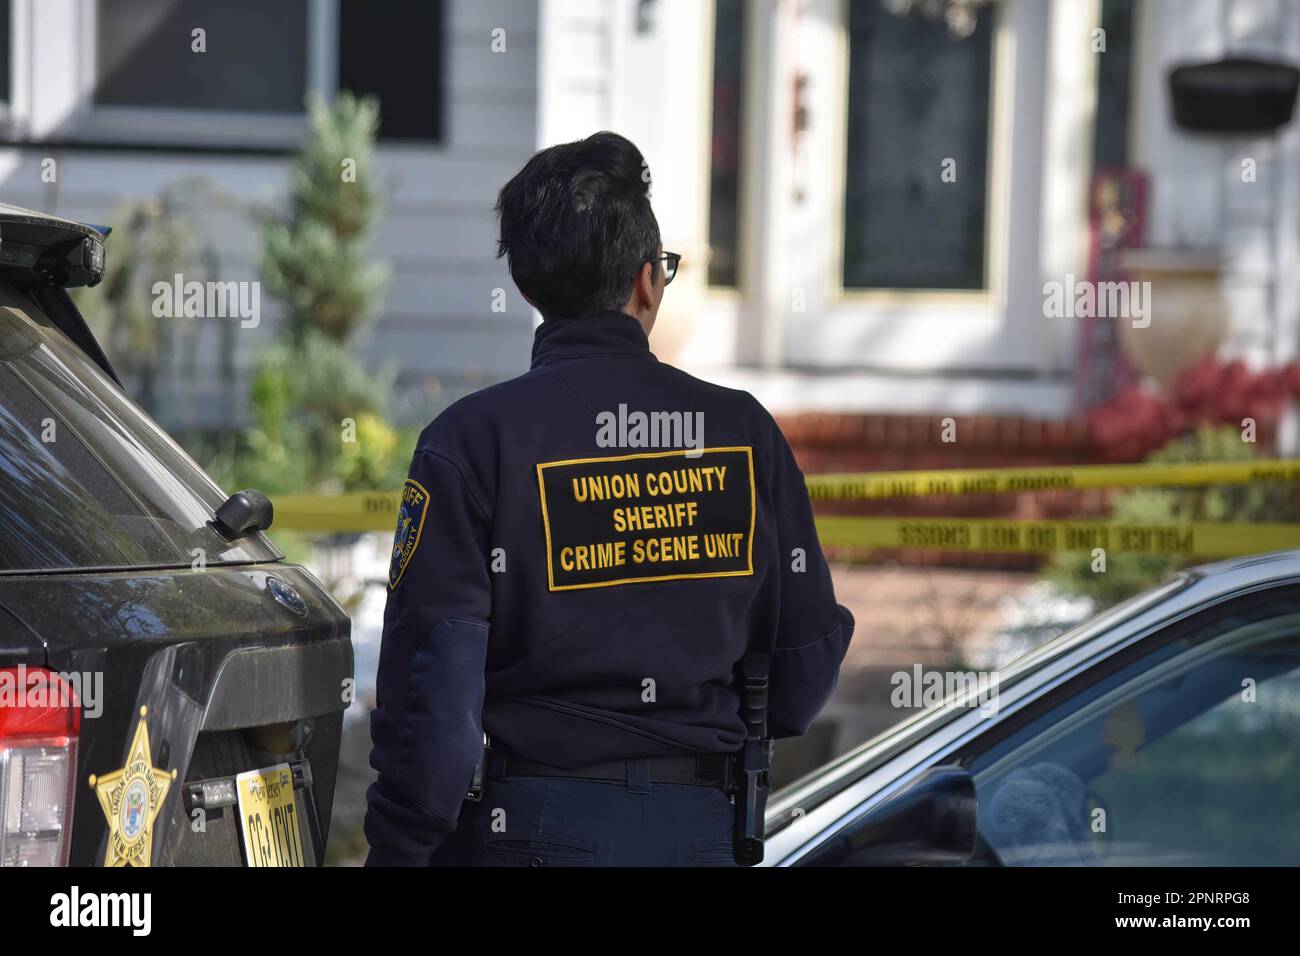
{"points": [[1164, 733], [1183, 751]]}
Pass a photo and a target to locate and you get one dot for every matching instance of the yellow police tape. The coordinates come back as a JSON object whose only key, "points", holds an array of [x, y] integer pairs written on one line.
{"points": [[351, 511], [376, 511], [1046, 537], [910, 484]]}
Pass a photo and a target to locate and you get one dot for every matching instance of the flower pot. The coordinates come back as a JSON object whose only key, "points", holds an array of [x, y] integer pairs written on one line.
{"points": [[1187, 314]]}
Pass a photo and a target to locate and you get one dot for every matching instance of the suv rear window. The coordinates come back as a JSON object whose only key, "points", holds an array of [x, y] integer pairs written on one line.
{"points": [[87, 480]]}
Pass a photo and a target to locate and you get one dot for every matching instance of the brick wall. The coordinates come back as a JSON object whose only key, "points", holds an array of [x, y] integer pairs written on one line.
{"points": [[834, 442]]}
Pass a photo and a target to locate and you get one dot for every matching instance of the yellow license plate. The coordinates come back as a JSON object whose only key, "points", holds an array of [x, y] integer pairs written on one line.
{"points": [[268, 817]]}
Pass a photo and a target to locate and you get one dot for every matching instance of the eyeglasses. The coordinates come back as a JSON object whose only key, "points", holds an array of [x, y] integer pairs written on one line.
{"points": [[670, 261]]}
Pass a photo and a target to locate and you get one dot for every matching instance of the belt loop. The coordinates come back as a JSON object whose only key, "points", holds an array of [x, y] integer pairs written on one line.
{"points": [[638, 775]]}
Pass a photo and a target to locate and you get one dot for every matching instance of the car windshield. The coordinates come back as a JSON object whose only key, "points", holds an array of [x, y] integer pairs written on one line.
{"points": [[807, 792], [87, 480]]}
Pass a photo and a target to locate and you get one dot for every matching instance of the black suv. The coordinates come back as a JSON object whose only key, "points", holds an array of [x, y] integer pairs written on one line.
{"points": [[171, 690]]}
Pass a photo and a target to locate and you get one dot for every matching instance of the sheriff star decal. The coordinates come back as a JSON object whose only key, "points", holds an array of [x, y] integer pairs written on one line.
{"points": [[410, 522], [132, 798]]}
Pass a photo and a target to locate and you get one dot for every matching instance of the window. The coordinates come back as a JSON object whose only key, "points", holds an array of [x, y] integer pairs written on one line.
{"points": [[917, 99], [255, 59], [1188, 756], [724, 181], [86, 480], [391, 49], [1114, 68], [5, 68], [260, 62]]}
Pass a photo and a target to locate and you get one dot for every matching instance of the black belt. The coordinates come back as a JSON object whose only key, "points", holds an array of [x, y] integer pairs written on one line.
{"points": [[699, 770]]}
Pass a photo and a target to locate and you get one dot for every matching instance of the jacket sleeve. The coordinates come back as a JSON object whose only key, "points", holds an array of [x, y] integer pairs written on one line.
{"points": [[426, 728], [813, 631]]}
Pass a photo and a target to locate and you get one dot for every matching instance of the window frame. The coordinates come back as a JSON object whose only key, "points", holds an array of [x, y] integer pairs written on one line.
{"points": [[749, 89], [166, 127], [13, 109]]}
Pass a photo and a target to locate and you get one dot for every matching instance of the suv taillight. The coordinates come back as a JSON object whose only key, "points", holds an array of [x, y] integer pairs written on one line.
{"points": [[39, 724]]}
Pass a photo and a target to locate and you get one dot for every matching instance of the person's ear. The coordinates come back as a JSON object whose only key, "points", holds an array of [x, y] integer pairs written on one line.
{"points": [[645, 286]]}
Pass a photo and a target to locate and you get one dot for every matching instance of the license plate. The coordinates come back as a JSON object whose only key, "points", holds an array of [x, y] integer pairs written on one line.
{"points": [[269, 817]]}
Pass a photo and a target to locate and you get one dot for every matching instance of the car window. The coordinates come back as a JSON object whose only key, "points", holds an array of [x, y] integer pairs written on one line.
{"points": [[87, 480], [1187, 756], [821, 785]]}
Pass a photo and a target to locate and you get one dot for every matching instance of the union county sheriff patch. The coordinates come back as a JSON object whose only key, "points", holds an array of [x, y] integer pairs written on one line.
{"points": [[131, 799], [410, 522], [660, 516]]}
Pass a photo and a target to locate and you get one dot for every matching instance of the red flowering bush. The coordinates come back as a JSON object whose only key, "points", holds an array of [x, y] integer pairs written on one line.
{"points": [[1135, 421]]}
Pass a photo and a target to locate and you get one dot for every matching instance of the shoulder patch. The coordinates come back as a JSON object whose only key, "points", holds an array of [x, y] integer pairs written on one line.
{"points": [[410, 522], [661, 516]]}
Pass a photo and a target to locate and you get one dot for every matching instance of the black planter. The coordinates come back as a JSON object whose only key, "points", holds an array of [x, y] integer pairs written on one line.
{"points": [[1234, 95]]}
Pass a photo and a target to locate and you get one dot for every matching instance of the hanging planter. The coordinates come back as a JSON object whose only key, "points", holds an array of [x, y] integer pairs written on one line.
{"points": [[1234, 95]]}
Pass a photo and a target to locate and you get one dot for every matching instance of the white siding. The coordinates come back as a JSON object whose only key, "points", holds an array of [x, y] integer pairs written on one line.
{"points": [[1198, 197], [575, 84]]}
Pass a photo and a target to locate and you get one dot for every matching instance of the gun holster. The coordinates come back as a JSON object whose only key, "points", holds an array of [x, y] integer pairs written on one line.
{"points": [[753, 762], [475, 792]]}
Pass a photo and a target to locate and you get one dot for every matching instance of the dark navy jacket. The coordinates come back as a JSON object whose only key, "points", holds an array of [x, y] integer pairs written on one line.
{"points": [[583, 596]]}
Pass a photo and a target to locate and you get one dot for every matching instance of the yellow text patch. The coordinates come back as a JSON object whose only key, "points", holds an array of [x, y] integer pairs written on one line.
{"points": [[660, 516]]}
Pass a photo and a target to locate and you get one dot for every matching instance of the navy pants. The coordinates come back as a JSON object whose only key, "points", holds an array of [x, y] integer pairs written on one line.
{"points": [[561, 821]]}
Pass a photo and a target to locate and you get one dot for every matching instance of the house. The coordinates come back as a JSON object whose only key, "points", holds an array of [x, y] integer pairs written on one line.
{"points": [[869, 209]]}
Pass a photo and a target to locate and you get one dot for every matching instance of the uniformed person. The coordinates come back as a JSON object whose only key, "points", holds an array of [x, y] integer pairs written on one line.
{"points": [[583, 556]]}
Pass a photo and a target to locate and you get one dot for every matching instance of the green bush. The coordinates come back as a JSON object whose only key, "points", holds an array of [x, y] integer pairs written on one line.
{"points": [[303, 397], [317, 412], [317, 260]]}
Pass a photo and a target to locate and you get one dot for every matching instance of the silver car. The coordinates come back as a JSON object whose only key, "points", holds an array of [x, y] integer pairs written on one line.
{"points": [[1165, 732]]}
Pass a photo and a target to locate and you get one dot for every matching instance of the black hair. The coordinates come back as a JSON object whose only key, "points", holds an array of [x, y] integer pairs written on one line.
{"points": [[576, 225]]}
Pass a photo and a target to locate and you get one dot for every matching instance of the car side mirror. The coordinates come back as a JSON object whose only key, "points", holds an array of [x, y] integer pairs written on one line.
{"points": [[930, 822], [243, 513]]}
